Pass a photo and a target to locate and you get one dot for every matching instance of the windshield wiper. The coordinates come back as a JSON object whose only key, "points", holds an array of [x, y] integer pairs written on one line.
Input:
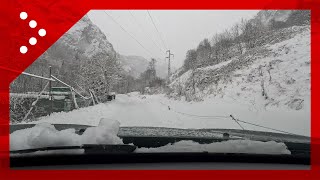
{"points": [[88, 148]]}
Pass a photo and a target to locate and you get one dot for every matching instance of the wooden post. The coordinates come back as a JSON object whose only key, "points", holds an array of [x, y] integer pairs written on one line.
{"points": [[74, 99], [93, 101], [35, 102], [50, 94]]}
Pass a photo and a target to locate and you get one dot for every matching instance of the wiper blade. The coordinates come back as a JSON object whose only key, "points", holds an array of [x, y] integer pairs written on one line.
{"points": [[88, 148]]}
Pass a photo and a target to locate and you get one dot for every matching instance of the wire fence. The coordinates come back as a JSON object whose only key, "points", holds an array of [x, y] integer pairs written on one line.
{"points": [[25, 107], [220, 117]]}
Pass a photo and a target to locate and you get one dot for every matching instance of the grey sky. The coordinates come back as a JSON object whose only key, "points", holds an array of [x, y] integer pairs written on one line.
{"points": [[180, 30]]}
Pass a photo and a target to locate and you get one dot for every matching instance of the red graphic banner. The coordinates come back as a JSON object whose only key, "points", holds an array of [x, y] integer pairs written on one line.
{"points": [[52, 18]]}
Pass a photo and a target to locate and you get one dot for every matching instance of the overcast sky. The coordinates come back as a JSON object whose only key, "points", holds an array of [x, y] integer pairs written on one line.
{"points": [[179, 30]]}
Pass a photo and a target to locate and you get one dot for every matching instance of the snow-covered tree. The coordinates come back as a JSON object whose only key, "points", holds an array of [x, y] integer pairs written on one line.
{"points": [[100, 73]]}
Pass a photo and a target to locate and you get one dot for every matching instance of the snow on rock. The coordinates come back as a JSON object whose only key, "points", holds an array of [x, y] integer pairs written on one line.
{"points": [[231, 146], [267, 15], [85, 37], [45, 135]]}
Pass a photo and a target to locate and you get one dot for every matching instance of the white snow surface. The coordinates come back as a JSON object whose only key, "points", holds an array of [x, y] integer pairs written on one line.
{"points": [[158, 111], [231, 146], [45, 135]]}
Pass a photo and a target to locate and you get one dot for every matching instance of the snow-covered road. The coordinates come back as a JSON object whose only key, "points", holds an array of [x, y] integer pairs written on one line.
{"points": [[158, 111]]}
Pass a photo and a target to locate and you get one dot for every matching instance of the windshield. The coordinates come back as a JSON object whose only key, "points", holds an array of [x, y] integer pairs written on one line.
{"points": [[170, 81]]}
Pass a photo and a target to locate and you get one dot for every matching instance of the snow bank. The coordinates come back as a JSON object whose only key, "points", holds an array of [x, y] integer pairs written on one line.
{"points": [[20, 95], [86, 116], [45, 135], [231, 146]]}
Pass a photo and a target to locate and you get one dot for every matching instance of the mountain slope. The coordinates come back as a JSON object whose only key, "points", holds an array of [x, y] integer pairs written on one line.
{"points": [[135, 65], [82, 41], [276, 75]]}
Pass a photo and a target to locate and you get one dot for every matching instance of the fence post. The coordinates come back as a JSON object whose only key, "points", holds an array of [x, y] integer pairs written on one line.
{"points": [[35, 102], [74, 99], [93, 102], [50, 94]]}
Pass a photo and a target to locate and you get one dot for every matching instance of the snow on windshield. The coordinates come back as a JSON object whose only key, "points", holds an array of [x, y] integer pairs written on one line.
{"points": [[45, 135], [231, 146]]}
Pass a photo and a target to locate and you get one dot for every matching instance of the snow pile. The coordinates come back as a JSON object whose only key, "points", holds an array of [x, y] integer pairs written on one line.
{"points": [[86, 116], [231, 146], [45, 135]]}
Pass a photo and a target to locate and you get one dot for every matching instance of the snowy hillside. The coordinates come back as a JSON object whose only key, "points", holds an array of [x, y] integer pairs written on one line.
{"points": [[275, 75]]}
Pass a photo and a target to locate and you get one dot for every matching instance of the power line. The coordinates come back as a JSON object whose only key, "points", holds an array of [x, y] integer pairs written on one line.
{"points": [[194, 115], [128, 33], [236, 120], [265, 127], [157, 29], [25, 73], [149, 36]]}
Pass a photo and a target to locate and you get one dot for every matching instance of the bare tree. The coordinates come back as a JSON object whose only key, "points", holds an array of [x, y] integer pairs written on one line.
{"points": [[236, 37], [204, 52]]}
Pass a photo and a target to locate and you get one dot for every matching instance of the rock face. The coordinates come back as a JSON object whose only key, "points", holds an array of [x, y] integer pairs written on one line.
{"points": [[281, 17], [266, 16], [86, 38], [135, 65]]}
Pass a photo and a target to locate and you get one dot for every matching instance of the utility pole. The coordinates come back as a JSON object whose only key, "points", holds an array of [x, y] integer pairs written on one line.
{"points": [[169, 61], [50, 94]]}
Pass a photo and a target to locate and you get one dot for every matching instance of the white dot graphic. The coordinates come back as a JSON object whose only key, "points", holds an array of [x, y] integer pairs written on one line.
{"points": [[23, 15], [33, 24], [42, 32], [23, 49], [33, 41]]}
